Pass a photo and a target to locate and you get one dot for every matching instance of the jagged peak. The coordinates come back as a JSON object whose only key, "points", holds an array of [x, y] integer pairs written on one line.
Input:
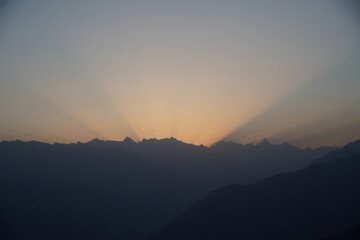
{"points": [[226, 143], [289, 145], [264, 142], [162, 140], [95, 140], [128, 140], [286, 144]]}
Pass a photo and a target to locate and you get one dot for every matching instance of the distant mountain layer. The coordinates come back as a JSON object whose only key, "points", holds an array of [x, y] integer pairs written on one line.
{"points": [[48, 189], [348, 150], [319, 201]]}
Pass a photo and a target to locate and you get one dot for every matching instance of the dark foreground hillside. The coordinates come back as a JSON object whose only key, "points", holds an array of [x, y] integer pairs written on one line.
{"points": [[317, 202], [352, 233]]}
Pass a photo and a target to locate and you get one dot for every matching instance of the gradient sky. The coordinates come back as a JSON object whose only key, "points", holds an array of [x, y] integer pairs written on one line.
{"points": [[199, 70]]}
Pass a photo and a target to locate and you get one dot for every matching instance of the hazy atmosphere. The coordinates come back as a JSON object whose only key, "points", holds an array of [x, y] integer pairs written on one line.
{"points": [[199, 71]]}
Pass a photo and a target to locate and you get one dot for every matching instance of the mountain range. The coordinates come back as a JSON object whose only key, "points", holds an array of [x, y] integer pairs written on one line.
{"points": [[123, 189], [319, 202]]}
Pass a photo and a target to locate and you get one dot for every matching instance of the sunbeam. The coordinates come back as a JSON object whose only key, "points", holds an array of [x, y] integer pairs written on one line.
{"points": [[237, 71]]}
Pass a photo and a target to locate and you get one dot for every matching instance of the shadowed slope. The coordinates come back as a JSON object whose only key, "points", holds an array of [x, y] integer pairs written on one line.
{"points": [[308, 204], [352, 233], [348, 150]]}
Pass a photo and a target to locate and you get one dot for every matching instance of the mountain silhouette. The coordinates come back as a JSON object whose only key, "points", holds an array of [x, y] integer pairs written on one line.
{"points": [[314, 203], [348, 150], [83, 189], [101, 144]]}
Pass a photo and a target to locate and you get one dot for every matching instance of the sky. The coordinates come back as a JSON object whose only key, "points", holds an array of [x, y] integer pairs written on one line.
{"points": [[200, 71]]}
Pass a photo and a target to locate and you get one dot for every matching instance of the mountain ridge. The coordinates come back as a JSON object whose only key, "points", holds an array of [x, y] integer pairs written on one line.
{"points": [[154, 180], [310, 203], [95, 141]]}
